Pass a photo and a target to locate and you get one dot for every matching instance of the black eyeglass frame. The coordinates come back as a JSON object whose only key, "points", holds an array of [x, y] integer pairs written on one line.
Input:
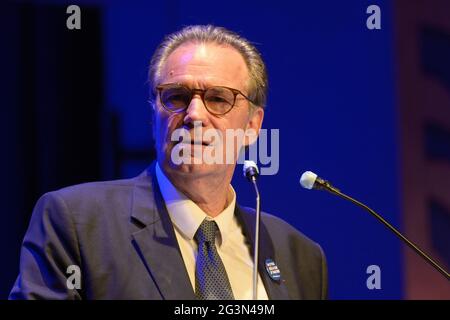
{"points": [[201, 92]]}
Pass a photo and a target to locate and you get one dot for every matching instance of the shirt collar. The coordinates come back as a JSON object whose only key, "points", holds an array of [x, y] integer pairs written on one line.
{"points": [[187, 216]]}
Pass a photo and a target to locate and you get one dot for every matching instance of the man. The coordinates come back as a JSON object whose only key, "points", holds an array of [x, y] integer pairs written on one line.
{"points": [[175, 231]]}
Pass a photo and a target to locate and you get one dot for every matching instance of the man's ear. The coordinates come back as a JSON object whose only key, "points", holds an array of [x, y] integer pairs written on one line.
{"points": [[254, 126]]}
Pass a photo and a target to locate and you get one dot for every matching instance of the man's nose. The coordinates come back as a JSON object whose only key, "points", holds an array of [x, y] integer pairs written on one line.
{"points": [[196, 111]]}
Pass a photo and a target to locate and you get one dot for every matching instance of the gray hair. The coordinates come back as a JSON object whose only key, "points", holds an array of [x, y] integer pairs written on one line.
{"points": [[212, 34]]}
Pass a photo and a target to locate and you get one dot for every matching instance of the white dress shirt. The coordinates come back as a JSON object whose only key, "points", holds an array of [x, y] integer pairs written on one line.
{"points": [[186, 217]]}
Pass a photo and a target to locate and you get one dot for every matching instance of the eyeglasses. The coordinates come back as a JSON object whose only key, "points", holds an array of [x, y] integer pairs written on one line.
{"points": [[218, 100]]}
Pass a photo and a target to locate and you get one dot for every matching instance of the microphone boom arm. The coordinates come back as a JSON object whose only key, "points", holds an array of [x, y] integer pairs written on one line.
{"points": [[325, 185]]}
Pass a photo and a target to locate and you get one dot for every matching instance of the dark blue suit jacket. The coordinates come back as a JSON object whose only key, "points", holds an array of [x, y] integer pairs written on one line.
{"points": [[120, 235]]}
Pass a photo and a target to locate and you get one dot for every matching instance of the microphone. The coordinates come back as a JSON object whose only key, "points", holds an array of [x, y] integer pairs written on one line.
{"points": [[251, 172], [310, 180]]}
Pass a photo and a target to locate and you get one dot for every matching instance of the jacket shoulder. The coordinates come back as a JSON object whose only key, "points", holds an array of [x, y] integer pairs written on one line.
{"points": [[91, 189], [95, 199]]}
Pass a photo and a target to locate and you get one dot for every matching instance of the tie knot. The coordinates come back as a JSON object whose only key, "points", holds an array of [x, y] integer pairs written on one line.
{"points": [[206, 232]]}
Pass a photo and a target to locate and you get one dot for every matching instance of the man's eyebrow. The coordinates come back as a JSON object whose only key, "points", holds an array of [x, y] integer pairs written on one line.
{"points": [[199, 85]]}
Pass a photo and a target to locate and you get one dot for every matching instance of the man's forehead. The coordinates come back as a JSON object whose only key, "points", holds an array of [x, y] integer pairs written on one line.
{"points": [[205, 62]]}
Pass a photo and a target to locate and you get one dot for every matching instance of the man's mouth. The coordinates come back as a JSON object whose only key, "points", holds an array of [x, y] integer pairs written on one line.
{"points": [[204, 143], [197, 142]]}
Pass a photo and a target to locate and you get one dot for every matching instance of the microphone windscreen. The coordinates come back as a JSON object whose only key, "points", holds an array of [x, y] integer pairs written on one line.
{"points": [[247, 165], [308, 179]]}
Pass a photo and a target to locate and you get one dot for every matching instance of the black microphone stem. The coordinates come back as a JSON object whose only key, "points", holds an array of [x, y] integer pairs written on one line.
{"points": [[256, 248], [426, 257]]}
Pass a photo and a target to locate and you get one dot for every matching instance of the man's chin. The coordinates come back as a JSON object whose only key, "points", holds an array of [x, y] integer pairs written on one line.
{"points": [[198, 169]]}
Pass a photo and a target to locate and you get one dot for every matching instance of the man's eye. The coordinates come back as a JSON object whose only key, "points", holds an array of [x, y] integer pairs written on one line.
{"points": [[176, 97], [217, 99]]}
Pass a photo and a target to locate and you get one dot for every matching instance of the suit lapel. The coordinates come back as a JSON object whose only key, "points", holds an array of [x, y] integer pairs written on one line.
{"points": [[156, 241], [276, 289]]}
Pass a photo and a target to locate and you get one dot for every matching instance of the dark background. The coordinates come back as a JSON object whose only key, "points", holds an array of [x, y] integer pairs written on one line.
{"points": [[357, 106]]}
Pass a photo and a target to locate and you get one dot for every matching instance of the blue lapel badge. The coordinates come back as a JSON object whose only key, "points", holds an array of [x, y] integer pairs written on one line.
{"points": [[272, 270]]}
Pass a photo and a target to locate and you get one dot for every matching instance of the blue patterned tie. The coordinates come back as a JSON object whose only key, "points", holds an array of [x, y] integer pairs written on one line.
{"points": [[211, 280]]}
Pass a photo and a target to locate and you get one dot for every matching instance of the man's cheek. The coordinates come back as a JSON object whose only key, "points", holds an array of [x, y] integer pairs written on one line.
{"points": [[161, 133], [162, 127]]}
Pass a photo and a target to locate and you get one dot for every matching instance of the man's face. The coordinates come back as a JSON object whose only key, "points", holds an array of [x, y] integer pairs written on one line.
{"points": [[200, 66]]}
